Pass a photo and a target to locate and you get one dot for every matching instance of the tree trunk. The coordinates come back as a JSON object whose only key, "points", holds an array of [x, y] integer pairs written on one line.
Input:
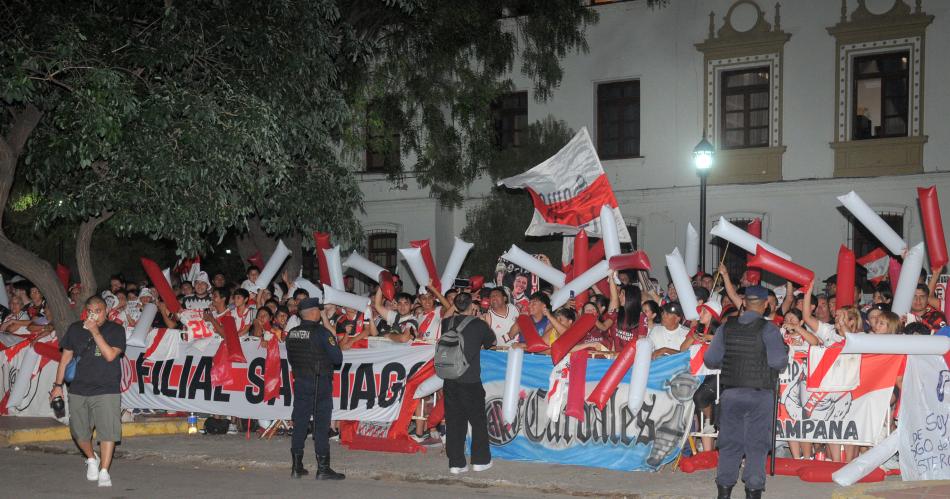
{"points": [[295, 261], [87, 278], [254, 240], [13, 256]]}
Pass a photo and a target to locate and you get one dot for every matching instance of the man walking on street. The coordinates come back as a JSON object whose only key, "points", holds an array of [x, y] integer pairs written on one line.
{"points": [[94, 392], [313, 352], [463, 337], [751, 353]]}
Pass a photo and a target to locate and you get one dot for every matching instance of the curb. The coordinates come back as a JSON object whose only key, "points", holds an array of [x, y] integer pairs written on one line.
{"points": [[61, 433]]}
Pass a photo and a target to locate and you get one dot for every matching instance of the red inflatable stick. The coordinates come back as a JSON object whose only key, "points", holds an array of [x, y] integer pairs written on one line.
{"points": [[845, 287], [321, 242], [576, 386], [754, 228], [163, 287], [787, 466], [580, 266], [770, 262], [933, 226], [387, 284], [563, 345], [423, 245], [476, 282], [705, 460], [822, 471], [530, 333], [638, 260], [614, 375], [595, 253], [63, 273]]}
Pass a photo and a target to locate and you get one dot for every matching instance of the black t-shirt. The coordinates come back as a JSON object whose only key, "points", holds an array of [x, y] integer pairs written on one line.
{"points": [[476, 335], [94, 375]]}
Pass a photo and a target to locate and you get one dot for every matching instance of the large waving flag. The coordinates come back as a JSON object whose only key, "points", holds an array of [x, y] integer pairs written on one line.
{"points": [[568, 190]]}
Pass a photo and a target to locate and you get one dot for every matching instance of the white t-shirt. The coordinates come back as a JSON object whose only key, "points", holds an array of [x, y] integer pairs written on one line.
{"points": [[664, 338], [430, 325], [501, 324]]}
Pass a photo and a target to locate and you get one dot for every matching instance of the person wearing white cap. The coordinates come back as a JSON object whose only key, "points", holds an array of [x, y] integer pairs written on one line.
{"points": [[201, 298]]}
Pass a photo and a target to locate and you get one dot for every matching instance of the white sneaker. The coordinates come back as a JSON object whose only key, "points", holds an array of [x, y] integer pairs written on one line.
{"points": [[92, 468], [457, 471], [104, 479], [482, 467]]}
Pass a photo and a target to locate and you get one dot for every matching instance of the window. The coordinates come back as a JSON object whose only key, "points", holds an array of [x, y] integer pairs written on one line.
{"points": [[745, 108], [863, 242], [632, 245], [735, 260], [510, 116], [880, 95], [382, 149], [382, 249], [618, 119]]}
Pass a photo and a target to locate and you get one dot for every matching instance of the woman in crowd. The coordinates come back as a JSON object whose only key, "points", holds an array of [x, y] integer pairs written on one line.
{"points": [[793, 331], [18, 318], [846, 320], [630, 321]]}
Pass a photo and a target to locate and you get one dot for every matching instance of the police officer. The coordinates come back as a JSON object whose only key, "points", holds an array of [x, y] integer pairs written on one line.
{"points": [[751, 353], [313, 352]]}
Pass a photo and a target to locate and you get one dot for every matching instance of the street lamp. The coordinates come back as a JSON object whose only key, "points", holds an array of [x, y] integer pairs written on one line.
{"points": [[703, 161]]}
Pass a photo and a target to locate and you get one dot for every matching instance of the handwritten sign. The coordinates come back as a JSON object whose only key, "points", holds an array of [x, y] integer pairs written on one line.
{"points": [[925, 419]]}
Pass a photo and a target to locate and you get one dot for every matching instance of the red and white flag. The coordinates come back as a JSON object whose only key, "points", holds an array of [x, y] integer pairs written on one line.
{"points": [[876, 263], [568, 190]]}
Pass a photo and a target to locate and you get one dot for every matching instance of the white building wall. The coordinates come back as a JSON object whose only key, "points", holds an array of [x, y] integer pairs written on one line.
{"points": [[659, 191]]}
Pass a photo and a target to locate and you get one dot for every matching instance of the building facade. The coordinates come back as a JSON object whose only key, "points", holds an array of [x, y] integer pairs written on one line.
{"points": [[803, 101]]}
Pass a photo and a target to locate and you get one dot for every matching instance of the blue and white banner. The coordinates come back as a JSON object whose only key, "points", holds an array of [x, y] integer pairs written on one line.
{"points": [[614, 438]]}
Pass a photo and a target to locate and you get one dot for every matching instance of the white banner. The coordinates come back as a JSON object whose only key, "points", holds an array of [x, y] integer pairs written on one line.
{"points": [[368, 386], [925, 419], [35, 402]]}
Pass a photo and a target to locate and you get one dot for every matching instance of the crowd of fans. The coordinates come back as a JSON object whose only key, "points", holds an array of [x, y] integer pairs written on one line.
{"points": [[631, 306]]}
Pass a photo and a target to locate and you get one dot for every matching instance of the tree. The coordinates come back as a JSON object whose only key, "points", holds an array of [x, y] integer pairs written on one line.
{"points": [[502, 218]]}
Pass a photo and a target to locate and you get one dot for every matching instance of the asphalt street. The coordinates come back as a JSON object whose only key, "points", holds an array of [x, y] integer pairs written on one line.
{"points": [[36, 474]]}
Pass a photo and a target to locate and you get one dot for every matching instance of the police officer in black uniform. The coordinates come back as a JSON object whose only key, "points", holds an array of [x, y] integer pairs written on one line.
{"points": [[751, 353], [313, 352]]}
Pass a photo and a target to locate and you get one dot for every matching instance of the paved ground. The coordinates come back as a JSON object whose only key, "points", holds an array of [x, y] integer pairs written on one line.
{"points": [[239, 462], [233, 466], [46, 475]]}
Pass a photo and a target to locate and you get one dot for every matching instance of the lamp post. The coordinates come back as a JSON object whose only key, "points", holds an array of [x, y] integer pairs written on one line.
{"points": [[703, 161]]}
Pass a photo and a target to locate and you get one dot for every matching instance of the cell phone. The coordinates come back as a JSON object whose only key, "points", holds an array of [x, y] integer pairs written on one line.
{"points": [[461, 283]]}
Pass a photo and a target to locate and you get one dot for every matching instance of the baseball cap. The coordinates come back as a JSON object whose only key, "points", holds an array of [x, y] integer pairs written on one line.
{"points": [[756, 292], [308, 303], [673, 308]]}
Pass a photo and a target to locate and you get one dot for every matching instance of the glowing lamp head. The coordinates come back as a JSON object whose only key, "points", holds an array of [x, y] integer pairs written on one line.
{"points": [[703, 155]]}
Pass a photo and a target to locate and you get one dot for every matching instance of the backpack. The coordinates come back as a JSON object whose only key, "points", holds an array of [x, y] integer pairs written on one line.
{"points": [[450, 361]]}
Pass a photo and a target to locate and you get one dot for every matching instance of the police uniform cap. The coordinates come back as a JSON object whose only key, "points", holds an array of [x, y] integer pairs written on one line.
{"points": [[308, 303], [756, 293]]}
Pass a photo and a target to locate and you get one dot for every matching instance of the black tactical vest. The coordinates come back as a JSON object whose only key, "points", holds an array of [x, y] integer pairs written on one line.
{"points": [[307, 357], [745, 363]]}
